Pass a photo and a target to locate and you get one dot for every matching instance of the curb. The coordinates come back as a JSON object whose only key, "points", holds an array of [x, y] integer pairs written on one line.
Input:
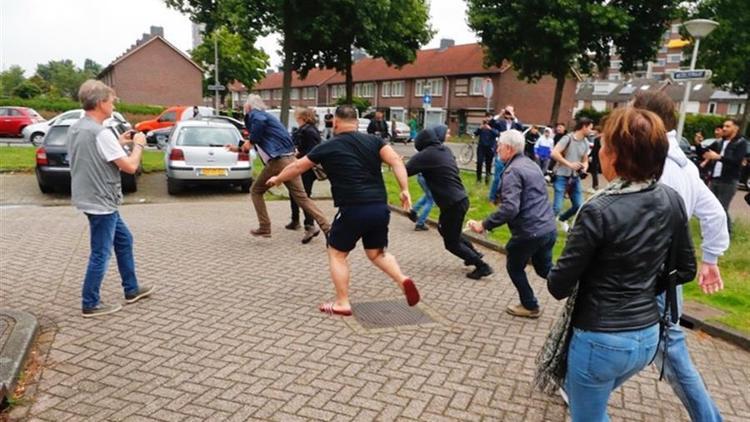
{"points": [[13, 352], [689, 320]]}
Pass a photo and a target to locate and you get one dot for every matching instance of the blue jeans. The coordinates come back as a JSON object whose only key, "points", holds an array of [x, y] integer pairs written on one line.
{"points": [[681, 374], [599, 362], [425, 203], [497, 180], [576, 196], [107, 231], [539, 250]]}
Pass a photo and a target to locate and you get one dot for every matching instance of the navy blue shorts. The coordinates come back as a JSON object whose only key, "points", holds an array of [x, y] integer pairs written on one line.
{"points": [[368, 222]]}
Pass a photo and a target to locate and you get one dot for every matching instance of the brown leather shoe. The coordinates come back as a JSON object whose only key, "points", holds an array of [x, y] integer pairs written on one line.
{"points": [[310, 232], [260, 233], [520, 311]]}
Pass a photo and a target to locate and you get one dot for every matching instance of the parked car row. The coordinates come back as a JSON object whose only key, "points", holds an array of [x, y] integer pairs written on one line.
{"points": [[13, 120], [35, 133]]}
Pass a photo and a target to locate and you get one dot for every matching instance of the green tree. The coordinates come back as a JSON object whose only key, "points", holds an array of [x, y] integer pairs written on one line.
{"points": [[549, 37], [238, 59], [10, 79], [390, 30], [361, 104], [91, 68], [63, 77], [27, 90], [726, 50]]}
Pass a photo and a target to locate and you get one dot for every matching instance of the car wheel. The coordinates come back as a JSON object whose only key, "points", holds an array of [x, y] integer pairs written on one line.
{"points": [[245, 186], [36, 138], [173, 186], [44, 188]]}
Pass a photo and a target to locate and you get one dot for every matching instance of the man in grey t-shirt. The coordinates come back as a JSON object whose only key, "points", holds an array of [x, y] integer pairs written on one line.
{"points": [[96, 159], [572, 157]]}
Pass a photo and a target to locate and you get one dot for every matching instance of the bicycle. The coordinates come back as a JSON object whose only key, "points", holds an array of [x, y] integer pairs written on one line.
{"points": [[466, 153]]}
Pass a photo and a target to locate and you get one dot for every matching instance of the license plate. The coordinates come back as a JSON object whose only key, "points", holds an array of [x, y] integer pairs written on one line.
{"points": [[213, 172]]}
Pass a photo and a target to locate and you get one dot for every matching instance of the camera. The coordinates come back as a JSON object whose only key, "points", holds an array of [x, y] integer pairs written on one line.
{"points": [[582, 174], [131, 134]]}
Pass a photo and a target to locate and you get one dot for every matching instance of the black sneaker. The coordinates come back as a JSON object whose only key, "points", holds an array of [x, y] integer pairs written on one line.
{"points": [[100, 309], [413, 216], [480, 271], [309, 235], [467, 263], [143, 291], [294, 225], [421, 228]]}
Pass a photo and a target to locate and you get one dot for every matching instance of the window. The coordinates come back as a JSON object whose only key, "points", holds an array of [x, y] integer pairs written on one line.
{"points": [[614, 77], [432, 87], [711, 108], [276, 94], [364, 90], [676, 28], [294, 94], [419, 88], [168, 117], [309, 93], [397, 88], [476, 86], [338, 91], [599, 105], [693, 107], [660, 63], [265, 94], [674, 58], [386, 89], [736, 108], [663, 49], [461, 88], [437, 87], [615, 64]]}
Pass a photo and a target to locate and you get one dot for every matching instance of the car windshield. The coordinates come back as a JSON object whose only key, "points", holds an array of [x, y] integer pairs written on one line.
{"points": [[57, 135], [207, 136]]}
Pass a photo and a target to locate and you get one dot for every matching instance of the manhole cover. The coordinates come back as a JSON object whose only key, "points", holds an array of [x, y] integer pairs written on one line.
{"points": [[388, 314]]}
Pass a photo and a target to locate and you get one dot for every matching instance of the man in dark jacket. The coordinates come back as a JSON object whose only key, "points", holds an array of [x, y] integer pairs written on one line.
{"points": [[727, 156], [485, 149], [438, 166], [378, 126], [531, 222]]}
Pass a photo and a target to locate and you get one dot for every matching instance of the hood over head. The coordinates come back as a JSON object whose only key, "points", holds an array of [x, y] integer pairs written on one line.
{"points": [[425, 138]]}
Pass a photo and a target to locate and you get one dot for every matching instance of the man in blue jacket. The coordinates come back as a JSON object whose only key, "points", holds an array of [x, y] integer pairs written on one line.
{"points": [[276, 150], [485, 149], [531, 223]]}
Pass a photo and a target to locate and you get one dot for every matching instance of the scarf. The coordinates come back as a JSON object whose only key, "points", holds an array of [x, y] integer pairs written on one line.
{"points": [[552, 359]]}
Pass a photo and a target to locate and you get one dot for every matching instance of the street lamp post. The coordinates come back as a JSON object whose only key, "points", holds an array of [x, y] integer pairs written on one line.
{"points": [[698, 28]]}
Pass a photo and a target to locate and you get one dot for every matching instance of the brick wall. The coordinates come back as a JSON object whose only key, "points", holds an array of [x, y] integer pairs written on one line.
{"points": [[156, 74], [533, 102]]}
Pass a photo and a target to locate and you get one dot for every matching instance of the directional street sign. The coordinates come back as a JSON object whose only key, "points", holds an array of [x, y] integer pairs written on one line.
{"points": [[691, 75], [426, 100], [216, 88], [487, 88]]}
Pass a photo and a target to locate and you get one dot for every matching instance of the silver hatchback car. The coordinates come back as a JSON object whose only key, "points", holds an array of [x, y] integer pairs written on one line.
{"points": [[195, 154]]}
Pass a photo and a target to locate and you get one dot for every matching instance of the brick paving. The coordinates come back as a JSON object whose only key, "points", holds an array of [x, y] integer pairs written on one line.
{"points": [[233, 331]]}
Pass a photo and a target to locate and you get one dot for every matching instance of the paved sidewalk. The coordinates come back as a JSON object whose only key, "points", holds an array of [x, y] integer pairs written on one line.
{"points": [[233, 331]]}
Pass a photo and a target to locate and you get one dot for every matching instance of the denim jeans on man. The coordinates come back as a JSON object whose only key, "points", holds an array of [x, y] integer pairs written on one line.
{"points": [[539, 250], [497, 180], [425, 203], [576, 196], [680, 372], [108, 230], [599, 362]]}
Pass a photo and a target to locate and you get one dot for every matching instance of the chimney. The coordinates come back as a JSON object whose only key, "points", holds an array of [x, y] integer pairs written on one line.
{"points": [[446, 42], [157, 31]]}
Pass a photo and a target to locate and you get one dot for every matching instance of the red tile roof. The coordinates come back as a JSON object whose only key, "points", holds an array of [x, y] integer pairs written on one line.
{"points": [[466, 59]]}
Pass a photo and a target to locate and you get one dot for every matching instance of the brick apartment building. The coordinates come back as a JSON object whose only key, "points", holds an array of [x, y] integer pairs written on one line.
{"points": [[669, 57], [452, 76], [153, 71]]}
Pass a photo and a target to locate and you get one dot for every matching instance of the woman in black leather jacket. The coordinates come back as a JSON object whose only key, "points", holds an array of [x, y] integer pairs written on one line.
{"points": [[614, 254], [306, 137]]}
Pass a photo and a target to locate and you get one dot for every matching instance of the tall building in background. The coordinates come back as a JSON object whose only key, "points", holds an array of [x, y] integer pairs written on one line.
{"points": [[197, 29], [668, 58]]}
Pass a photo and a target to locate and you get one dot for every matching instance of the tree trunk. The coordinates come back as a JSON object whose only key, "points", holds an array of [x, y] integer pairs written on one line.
{"points": [[745, 117], [349, 79], [559, 85], [287, 65]]}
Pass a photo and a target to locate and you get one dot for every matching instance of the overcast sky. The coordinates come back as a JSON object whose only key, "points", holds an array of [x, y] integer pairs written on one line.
{"points": [[37, 31]]}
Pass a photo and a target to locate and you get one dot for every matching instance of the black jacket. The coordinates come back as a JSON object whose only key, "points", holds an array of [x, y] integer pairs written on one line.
{"points": [[378, 127], [305, 139], [438, 166], [731, 161], [616, 249]]}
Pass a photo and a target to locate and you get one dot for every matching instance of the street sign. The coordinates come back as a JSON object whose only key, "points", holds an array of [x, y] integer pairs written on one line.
{"points": [[426, 100], [216, 88], [487, 88], [690, 75]]}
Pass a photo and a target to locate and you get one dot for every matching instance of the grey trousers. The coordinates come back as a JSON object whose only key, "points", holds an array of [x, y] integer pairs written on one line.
{"points": [[724, 192]]}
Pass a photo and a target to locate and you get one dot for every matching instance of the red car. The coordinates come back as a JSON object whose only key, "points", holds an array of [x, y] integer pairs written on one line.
{"points": [[14, 119]]}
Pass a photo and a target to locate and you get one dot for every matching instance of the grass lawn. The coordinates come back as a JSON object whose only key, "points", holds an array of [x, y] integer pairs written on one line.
{"points": [[735, 264], [23, 159]]}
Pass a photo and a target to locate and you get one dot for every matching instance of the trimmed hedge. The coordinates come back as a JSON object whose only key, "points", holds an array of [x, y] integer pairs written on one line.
{"points": [[63, 104], [703, 122]]}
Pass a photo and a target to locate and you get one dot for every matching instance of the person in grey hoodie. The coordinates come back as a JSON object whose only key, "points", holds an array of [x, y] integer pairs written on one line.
{"points": [[437, 164], [524, 206]]}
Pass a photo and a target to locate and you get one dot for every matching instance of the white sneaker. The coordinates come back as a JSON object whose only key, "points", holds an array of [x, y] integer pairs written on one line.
{"points": [[564, 225], [564, 396]]}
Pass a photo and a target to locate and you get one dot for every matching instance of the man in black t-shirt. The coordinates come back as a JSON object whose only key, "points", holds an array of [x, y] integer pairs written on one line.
{"points": [[352, 161], [328, 120]]}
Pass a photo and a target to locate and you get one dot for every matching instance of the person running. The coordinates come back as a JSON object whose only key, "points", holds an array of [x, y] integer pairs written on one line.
{"points": [[305, 139], [422, 208], [352, 161], [572, 157], [437, 164], [525, 208]]}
